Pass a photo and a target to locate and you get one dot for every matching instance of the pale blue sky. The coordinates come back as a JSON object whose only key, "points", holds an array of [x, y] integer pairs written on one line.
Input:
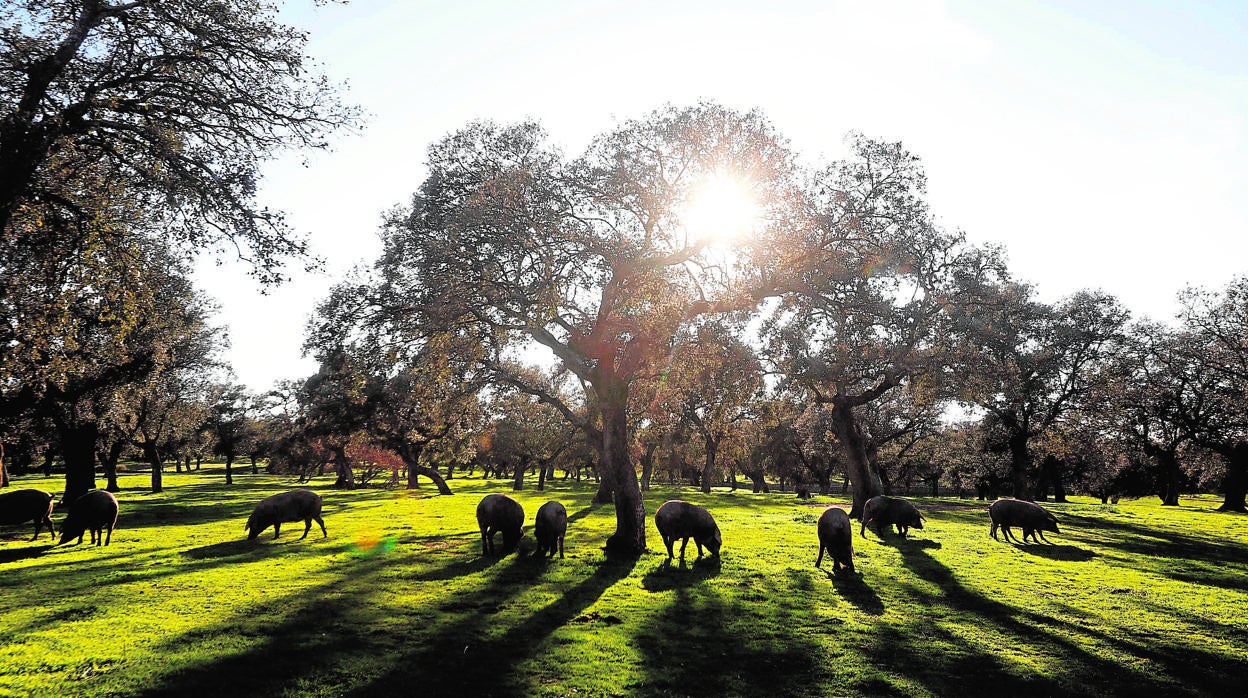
{"points": [[1104, 144]]}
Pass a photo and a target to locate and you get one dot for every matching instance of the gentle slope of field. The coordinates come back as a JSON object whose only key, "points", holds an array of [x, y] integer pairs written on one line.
{"points": [[1133, 599]]}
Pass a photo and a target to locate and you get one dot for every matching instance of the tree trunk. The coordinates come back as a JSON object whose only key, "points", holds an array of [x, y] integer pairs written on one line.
{"points": [[4, 470], [1236, 481], [78, 450], [108, 461], [863, 477], [254, 470], [935, 485], [342, 465], [541, 475], [152, 455], [517, 478], [712, 450], [647, 466], [1020, 465], [630, 512], [410, 453], [229, 468], [1169, 463], [47, 463]]}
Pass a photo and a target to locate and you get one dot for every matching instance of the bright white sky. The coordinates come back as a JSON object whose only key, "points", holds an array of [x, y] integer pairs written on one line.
{"points": [[1104, 144]]}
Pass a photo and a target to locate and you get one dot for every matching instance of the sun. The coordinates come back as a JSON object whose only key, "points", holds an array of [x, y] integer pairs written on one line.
{"points": [[721, 208]]}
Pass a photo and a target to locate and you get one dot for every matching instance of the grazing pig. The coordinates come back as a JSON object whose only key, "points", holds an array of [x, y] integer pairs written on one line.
{"points": [[680, 519], [1032, 518], [275, 510], [836, 535], [498, 512], [886, 512], [94, 511], [20, 506], [549, 528]]}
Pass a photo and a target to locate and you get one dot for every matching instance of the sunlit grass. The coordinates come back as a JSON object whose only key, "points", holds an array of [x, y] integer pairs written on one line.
{"points": [[1133, 599]]}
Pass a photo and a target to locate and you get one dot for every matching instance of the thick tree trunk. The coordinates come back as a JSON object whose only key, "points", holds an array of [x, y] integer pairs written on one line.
{"points": [[229, 468], [647, 467], [935, 485], [759, 478], [108, 462], [863, 477], [1169, 463], [630, 512], [708, 467], [517, 479], [342, 466], [1235, 483], [1020, 465], [47, 463], [78, 450], [825, 482], [410, 453], [152, 455], [254, 469]]}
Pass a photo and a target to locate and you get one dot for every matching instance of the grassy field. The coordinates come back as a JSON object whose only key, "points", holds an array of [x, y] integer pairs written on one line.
{"points": [[1133, 599]]}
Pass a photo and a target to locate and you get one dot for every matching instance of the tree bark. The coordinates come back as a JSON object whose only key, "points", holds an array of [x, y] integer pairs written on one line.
{"points": [[254, 470], [647, 466], [108, 461], [517, 478], [229, 468], [152, 455], [1235, 483], [342, 465], [410, 453], [712, 450], [1169, 463], [78, 449], [864, 479], [617, 471], [4, 470], [47, 463], [1020, 465]]}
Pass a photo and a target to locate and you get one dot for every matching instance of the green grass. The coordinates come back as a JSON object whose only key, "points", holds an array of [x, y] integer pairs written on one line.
{"points": [[1133, 599]]}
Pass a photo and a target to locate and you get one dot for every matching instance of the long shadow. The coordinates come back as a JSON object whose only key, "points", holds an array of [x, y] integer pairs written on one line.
{"points": [[854, 589], [330, 625], [704, 643], [1083, 673], [1163, 543], [15, 554], [1068, 553], [468, 657]]}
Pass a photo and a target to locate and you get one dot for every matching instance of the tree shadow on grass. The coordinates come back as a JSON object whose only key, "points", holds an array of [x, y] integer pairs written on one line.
{"points": [[1179, 669], [704, 643], [1160, 543], [1067, 553], [302, 640], [467, 654]]}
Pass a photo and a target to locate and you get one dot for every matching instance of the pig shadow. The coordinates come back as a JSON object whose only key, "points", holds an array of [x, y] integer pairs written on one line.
{"points": [[667, 576], [15, 554], [854, 589], [248, 549]]}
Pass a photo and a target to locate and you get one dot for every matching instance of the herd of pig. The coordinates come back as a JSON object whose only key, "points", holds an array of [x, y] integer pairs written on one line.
{"points": [[96, 511], [680, 520]]}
